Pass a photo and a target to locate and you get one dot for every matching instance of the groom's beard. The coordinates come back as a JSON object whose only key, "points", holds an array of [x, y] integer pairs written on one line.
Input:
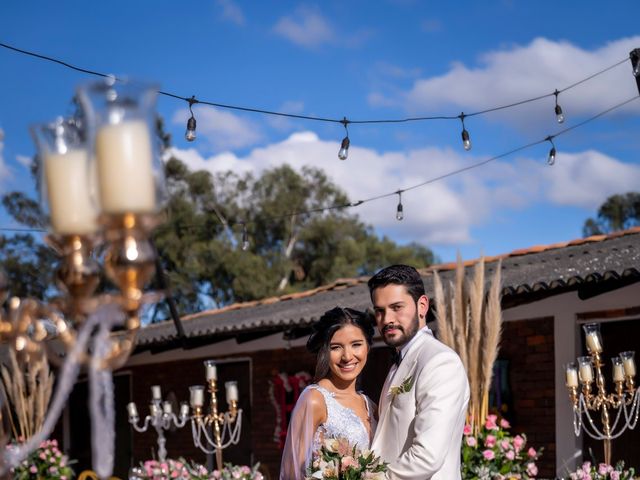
{"points": [[405, 336]]}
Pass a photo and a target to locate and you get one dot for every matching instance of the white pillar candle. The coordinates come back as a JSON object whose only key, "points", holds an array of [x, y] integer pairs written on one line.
{"points": [[618, 372], [197, 396], [572, 377], [69, 191], [184, 410], [593, 342], [125, 168], [167, 408], [232, 391], [629, 366], [586, 373], [154, 408], [132, 409], [211, 370], [156, 393]]}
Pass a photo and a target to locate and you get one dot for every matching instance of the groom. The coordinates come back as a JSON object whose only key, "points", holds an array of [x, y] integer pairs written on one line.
{"points": [[424, 399]]}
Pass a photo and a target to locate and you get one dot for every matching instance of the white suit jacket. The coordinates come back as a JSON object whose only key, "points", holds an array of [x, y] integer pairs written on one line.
{"points": [[420, 431]]}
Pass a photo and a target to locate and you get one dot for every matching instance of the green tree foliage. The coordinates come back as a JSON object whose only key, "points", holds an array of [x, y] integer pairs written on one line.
{"points": [[618, 212], [200, 244]]}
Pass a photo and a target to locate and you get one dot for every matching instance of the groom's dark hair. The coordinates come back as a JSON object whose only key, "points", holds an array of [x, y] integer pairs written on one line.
{"points": [[329, 323], [398, 275]]}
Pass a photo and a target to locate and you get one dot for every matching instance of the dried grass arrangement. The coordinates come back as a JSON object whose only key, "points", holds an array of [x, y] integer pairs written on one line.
{"points": [[27, 390], [470, 322]]}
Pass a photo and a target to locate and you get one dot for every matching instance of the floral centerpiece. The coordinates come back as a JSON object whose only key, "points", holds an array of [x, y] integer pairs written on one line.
{"points": [[181, 469], [603, 471], [47, 461], [337, 460], [237, 472], [494, 454]]}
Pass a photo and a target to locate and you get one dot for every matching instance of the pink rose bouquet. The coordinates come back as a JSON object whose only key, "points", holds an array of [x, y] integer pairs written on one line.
{"points": [[337, 460], [494, 454]]}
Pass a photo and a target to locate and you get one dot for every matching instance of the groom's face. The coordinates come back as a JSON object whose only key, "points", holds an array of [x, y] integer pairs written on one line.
{"points": [[398, 316]]}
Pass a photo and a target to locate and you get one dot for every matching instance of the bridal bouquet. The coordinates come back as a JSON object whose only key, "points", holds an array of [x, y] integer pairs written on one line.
{"points": [[337, 460]]}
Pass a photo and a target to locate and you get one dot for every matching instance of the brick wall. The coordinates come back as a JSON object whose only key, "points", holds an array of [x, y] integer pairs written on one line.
{"points": [[528, 347]]}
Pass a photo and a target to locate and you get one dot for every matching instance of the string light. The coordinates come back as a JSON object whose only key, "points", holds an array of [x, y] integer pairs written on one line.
{"points": [[559, 114], [245, 237], [343, 153], [399, 210], [466, 141], [190, 134], [551, 159], [635, 62]]}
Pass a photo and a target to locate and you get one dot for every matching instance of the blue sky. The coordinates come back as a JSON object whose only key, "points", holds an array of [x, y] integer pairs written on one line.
{"points": [[362, 60]]}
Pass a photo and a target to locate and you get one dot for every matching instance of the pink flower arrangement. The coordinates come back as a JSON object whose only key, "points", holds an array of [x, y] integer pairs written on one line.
{"points": [[46, 461], [493, 453], [603, 471], [182, 470], [337, 460]]}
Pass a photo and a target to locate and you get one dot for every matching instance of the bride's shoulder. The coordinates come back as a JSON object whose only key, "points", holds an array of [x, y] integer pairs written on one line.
{"points": [[313, 395]]}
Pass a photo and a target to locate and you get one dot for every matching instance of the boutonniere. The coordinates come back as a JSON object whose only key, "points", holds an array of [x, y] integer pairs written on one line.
{"points": [[404, 387]]}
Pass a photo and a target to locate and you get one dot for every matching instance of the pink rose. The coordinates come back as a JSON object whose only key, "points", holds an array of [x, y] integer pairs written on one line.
{"points": [[518, 442], [490, 441], [467, 429], [615, 475], [471, 441], [532, 452], [504, 423], [504, 444], [490, 424], [532, 470], [510, 455], [33, 469], [488, 455]]}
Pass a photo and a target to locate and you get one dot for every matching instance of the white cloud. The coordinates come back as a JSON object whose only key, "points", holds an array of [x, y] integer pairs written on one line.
{"points": [[4, 171], [220, 129], [231, 12], [306, 27], [441, 213], [518, 72], [24, 160]]}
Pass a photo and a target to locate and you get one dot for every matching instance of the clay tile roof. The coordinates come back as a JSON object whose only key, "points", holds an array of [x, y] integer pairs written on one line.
{"points": [[540, 269]]}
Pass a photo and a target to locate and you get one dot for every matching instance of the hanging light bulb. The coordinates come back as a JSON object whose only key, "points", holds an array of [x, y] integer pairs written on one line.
{"points": [[551, 159], [190, 134], [343, 153], [635, 61], [400, 210], [466, 141], [245, 238], [344, 149], [558, 109]]}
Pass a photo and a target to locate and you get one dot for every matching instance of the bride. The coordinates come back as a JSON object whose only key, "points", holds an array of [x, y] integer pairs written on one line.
{"points": [[332, 407]]}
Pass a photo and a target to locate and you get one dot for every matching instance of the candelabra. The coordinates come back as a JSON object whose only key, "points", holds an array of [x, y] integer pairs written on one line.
{"points": [[101, 185], [619, 410], [161, 418], [226, 426]]}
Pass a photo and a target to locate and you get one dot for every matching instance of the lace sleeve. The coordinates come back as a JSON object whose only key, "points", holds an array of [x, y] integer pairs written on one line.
{"points": [[298, 448]]}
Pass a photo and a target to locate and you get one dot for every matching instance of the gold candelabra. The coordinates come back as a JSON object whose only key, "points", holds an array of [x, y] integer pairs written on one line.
{"points": [[619, 410], [101, 185], [226, 426]]}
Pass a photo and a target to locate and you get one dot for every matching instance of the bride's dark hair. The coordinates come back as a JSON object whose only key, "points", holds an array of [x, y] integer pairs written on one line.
{"points": [[329, 323]]}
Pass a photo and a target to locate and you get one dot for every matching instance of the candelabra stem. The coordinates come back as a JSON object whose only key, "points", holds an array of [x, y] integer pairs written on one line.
{"points": [[162, 450], [607, 432]]}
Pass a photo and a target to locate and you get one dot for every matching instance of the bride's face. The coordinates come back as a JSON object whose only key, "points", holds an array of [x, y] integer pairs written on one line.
{"points": [[347, 353]]}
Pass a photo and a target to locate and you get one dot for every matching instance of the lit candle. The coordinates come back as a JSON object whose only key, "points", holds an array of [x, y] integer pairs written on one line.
{"points": [[132, 409], [167, 408], [628, 363], [232, 391], [211, 370], [184, 410], [156, 393], [572, 376], [618, 369], [197, 395], [69, 187], [154, 408], [586, 370], [594, 345], [125, 168]]}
